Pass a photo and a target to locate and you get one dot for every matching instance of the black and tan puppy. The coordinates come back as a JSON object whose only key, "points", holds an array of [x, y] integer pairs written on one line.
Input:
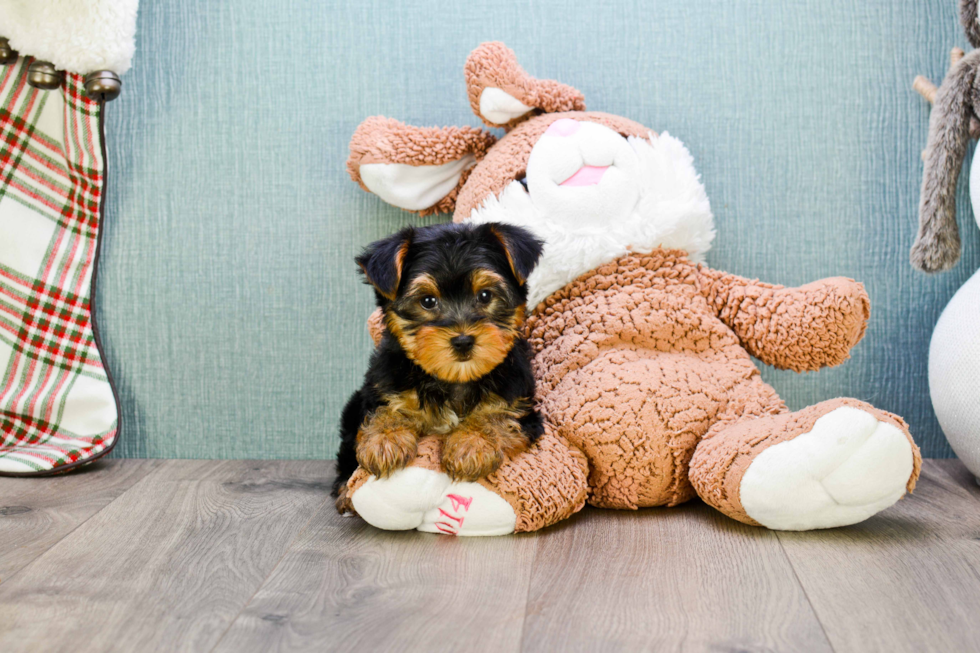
{"points": [[452, 361]]}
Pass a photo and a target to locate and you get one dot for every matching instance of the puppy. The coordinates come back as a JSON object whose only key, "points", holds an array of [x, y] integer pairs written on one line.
{"points": [[452, 361]]}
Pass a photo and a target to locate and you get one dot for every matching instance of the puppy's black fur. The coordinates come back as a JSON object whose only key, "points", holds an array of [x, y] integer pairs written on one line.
{"points": [[475, 276]]}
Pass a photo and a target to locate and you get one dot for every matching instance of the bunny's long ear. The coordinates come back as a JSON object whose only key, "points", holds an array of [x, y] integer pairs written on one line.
{"points": [[502, 94], [968, 17], [937, 246], [419, 169]]}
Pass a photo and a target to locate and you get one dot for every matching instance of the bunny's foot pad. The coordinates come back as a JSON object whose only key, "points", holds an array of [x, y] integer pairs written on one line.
{"points": [[427, 500], [846, 468]]}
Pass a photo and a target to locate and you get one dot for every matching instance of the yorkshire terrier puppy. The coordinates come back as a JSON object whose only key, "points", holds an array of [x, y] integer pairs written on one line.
{"points": [[452, 361]]}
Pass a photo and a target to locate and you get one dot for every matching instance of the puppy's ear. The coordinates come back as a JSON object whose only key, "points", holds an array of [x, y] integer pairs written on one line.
{"points": [[382, 262], [523, 249], [418, 169], [503, 95]]}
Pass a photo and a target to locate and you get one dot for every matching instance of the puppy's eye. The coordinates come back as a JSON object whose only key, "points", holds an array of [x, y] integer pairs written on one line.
{"points": [[429, 302], [484, 296]]}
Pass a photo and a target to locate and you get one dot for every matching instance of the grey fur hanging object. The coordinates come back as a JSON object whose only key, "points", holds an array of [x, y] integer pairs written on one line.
{"points": [[968, 17], [954, 119]]}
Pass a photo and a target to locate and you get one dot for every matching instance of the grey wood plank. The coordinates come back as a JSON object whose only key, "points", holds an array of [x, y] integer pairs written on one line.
{"points": [[907, 579], [958, 472], [679, 579], [35, 513], [166, 566], [347, 586]]}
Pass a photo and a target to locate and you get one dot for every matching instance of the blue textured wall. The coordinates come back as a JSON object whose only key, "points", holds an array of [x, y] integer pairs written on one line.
{"points": [[233, 320]]}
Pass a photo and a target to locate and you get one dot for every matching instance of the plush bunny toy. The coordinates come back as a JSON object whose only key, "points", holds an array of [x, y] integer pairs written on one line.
{"points": [[954, 352], [642, 354]]}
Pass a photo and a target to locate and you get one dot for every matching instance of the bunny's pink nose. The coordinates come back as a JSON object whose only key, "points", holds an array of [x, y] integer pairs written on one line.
{"points": [[563, 127]]}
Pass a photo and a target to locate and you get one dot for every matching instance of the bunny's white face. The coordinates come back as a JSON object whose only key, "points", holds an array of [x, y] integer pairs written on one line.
{"points": [[593, 196], [580, 170]]}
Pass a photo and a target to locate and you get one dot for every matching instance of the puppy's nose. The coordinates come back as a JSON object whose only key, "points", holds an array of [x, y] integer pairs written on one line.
{"points": [[462, 344]]}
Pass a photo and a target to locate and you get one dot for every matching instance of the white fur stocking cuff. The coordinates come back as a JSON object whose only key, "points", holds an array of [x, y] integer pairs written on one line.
{"points": [[79, 36]]}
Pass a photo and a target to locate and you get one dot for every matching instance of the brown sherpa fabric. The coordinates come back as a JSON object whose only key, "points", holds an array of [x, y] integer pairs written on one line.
{"points": [[800, 329], [544, 485], [507, 160], [376, 326], [724, 455], [494, 65], [635, 363], [386, 140]]}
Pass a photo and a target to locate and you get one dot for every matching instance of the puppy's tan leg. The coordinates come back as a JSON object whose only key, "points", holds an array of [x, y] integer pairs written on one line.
{"points": [[468, 455], [387, 442], [343, 502], [478, 446]]}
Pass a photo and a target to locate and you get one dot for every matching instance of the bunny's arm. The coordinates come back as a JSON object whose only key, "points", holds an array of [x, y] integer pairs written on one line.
{"points": [[376, 326], [800, 329]]}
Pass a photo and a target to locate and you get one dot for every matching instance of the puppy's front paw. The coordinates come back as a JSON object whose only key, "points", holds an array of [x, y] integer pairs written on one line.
{"points": [[343, 503], [469, 455], [383, 452]]}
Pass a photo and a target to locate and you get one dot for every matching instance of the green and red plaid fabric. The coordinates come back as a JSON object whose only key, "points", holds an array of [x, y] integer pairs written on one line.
{"points": [[57, 406]]}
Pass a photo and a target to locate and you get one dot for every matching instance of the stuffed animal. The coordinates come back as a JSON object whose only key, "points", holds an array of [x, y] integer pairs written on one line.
{"points": [[954, 352], [642, 353]]}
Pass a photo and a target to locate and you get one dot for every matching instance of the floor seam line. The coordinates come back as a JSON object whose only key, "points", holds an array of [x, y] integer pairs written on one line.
{"points": [[527, 595], [806, 594]]}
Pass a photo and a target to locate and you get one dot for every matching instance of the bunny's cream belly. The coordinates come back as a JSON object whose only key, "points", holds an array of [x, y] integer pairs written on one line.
{"points": [[954, 372]]}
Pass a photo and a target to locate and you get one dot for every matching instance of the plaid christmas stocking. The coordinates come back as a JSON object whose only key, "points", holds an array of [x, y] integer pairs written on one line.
{"points": [[57, 405]]}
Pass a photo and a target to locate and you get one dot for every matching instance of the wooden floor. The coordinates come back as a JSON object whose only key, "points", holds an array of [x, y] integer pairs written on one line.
{"points": [[251, 556]]}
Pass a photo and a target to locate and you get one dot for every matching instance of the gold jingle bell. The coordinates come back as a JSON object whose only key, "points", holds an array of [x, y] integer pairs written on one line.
{"points": [[43, 75], [103, 85], [7, 54]]}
